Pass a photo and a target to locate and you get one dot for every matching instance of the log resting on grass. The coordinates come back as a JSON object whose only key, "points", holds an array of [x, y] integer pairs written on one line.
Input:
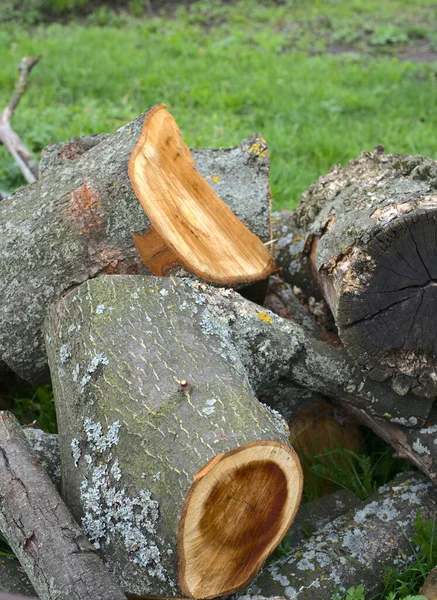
{"points": [[352, 549], [179, 475], [77, 221], [367, 232], [59, 561]]}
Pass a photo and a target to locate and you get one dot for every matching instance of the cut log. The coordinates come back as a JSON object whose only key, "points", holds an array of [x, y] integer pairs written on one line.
{"points": [[77, 221], [352, 549], [198, 229], [429, 588], [178, 474], [418, 446], [369, 233], [316, 433], [310, 517], [59, 561]]}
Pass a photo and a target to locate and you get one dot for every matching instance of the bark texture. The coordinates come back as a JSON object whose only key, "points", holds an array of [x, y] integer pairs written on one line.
{"points": [[311, 516], [352, 549], [77, 221], [367, 234], [54, 552], [148, 388]]}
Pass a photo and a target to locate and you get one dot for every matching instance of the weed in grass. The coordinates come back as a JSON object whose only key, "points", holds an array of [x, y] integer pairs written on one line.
{"points": [[5, 550], [361, 472]]}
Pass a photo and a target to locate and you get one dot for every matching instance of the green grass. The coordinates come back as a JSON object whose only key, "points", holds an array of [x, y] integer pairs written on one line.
{"points": [[225, 72]]}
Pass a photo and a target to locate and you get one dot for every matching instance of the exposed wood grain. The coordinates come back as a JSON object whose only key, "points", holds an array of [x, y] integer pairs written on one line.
{"points": [[195, 224], [229, 525]]}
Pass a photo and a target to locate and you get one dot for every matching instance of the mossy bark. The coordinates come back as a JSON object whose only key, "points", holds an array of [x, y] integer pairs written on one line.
{"points": [[148, 388], [353, 549], [366, 233], [77, 221]]}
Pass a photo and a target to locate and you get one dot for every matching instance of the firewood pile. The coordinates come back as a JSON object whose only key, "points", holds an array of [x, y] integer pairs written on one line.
{"points": [[184, 327]]}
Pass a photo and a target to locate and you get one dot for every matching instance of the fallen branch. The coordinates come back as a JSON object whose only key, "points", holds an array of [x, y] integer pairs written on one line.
{"points": [[354, 548], [8, 137], [59, 561]]}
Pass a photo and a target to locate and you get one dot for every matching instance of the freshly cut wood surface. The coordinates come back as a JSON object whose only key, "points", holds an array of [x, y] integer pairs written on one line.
{"points": [[195, 224], [149, 391], [237, 511]]}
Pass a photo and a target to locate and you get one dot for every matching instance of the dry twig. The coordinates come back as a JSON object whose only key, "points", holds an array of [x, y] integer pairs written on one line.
{"points": [[8, 137]]}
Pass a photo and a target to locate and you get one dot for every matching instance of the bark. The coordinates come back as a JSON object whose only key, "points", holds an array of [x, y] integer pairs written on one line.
{"points": [[77, 221], [45, 447], [148, 389], [310, 517], [58, 559], [367, 234], [429, 588], [352, 549]]}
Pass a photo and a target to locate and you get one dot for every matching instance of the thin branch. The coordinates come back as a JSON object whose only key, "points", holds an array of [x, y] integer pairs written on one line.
{"points": [[8, 137]]}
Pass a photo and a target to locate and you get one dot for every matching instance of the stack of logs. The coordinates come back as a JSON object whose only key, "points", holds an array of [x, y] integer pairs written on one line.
{"points": [[173, 456]]}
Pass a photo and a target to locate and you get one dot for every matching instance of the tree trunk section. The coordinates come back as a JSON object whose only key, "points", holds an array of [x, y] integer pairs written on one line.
{"points": [[369, 237], [59, 561], [77, 221], [352, 549], [166, 453]]}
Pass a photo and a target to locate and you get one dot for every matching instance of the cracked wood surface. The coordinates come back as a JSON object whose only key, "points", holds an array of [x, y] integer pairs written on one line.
{"points": [[148, 388], [58, 559], [76, 222], [367, 234]]}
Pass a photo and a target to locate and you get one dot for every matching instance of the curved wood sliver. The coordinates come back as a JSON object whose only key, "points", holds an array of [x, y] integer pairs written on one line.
{"points": [[198, 228]]}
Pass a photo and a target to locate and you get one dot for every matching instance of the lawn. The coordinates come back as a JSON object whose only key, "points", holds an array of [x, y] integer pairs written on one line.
{"points": [[227, 71]]}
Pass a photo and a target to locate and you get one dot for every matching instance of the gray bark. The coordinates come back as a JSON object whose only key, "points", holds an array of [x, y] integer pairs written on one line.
{"points": [[132, 437], [76, 222], [45, 447], [310, 517], [366, 234], [354, 548], [55, 554]]}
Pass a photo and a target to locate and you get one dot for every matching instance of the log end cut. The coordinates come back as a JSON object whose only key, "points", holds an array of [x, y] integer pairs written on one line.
{"points": [[387, 300], [190, 222], [238, 509]]}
